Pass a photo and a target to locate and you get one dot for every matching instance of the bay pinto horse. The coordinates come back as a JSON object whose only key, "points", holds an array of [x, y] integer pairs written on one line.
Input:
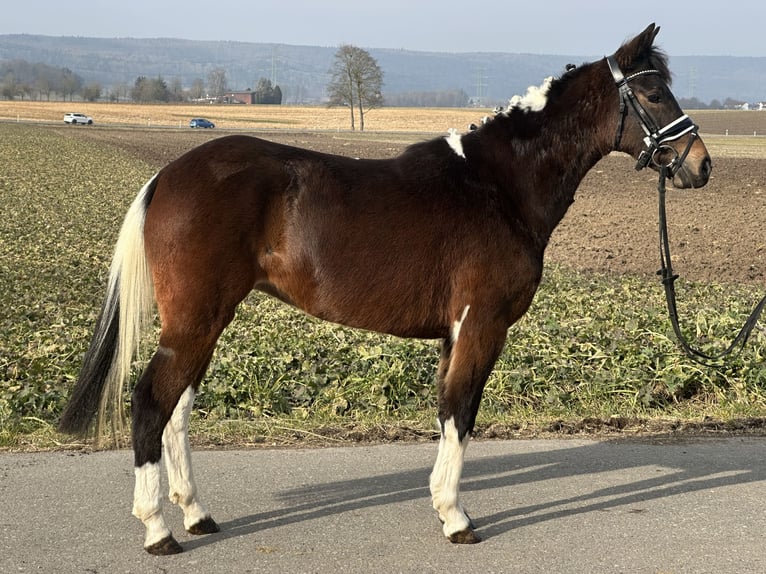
{"points": [[444, 241]]}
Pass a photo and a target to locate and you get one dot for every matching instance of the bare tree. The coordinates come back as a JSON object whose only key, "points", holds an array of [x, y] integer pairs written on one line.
{"points": [[356, 80], [216, 81], [197, 90], [91, 91]]}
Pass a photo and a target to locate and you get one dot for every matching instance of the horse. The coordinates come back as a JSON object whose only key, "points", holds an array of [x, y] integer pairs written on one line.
{"points": [[445, 241]]}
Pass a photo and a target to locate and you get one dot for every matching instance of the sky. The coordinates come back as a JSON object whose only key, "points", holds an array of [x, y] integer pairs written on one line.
{"points": [[559, 27]]}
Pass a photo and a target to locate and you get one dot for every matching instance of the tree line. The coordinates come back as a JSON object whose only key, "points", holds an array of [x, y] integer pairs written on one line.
{"points": [[355, 82], [24, 80], [696, 104]]}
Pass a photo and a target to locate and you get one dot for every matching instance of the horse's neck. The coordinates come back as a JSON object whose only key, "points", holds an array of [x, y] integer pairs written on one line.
{"points": [[542, 173]]}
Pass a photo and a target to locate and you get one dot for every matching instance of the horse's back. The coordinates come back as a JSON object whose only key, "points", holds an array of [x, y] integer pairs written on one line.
{"points": [[377, 244]]}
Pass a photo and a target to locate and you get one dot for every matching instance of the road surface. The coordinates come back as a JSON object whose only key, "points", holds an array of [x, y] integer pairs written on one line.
{"points": [[542, 506]]}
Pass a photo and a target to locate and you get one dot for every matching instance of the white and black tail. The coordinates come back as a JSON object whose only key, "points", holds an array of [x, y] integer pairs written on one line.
{"points": [[126, 310]]}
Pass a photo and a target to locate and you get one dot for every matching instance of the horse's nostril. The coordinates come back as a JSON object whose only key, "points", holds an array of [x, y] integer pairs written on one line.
{"points": [[707, 167]]}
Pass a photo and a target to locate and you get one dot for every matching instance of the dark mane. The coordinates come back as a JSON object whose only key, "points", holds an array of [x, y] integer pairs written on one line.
{"points": [[632, 57], [659, 61], [520, 123]]}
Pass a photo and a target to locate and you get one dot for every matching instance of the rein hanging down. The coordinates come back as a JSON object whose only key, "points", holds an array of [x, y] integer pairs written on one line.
{"points": [[668, 280], [656, 140]]}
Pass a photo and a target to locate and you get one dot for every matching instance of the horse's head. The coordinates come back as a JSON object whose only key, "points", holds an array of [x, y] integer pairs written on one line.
{"points": [[651, 125]]}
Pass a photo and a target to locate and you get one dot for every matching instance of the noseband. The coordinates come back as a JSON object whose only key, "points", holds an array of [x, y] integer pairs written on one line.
{"points": [[657, 138]]}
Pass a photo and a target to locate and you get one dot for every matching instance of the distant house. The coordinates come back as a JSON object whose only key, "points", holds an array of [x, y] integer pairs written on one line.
{"points": [[246, 97]]}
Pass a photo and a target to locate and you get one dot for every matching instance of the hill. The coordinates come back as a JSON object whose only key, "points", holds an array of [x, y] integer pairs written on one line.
{"points": [[302, 71]]}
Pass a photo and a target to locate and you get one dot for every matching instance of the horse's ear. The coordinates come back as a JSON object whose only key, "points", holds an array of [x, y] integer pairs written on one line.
{"points": [[639, 46]]}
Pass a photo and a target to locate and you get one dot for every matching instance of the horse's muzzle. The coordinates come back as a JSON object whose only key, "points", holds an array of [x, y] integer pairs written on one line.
{"points": [[693, 176]]}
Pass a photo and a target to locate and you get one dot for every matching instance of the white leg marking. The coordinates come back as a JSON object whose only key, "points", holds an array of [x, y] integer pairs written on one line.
{"points": [[454, 139], [147, 505], [445, 480], [457, 325], [175, 439]]}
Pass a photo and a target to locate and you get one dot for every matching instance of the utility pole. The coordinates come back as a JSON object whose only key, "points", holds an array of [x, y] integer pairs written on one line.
{"points": [[692, 82], [481, 87], [274, 66]]}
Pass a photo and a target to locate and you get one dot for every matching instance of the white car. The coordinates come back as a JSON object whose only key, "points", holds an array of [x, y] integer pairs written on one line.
{"points": [[75, 118]]}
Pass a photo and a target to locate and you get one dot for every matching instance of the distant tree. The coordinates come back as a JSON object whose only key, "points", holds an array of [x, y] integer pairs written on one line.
{"points": [[356, 81], [691, 104], [10, 87], [26, 90], [159, 90], [138, 91], [91, 92], [44, 86], [70, 84], [216, 82], [150, 90], [176, 90], [119, 92], [265, 93], [197, 90]]}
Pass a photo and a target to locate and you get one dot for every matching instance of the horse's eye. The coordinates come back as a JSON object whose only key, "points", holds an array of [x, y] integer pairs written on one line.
{"points": [[655, 98]]}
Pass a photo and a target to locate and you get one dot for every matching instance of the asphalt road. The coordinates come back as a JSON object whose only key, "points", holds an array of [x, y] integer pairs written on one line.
{"points": [[548, 506]]}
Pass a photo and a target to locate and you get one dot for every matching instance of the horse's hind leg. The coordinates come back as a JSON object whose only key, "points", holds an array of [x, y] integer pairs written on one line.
{"points": [[468, 356], [177, 452], [161, 403]]}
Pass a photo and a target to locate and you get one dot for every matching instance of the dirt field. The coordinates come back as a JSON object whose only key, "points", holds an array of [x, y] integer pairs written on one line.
{"points": [[718, 232]]}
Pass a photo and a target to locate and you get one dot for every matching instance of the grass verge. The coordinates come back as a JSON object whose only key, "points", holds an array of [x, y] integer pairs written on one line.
{"points": [[595, 352]]}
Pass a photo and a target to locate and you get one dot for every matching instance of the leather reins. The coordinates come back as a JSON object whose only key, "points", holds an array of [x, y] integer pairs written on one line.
{"points": [[657, 139]]}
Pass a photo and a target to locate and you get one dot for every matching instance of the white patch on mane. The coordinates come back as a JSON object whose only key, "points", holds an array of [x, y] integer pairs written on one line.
{"points": [[535, 98], [454, 139]]}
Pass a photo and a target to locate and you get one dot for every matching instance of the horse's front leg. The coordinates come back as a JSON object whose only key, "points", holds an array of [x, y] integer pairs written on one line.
{"points": [[468, 356], [183, 490]]}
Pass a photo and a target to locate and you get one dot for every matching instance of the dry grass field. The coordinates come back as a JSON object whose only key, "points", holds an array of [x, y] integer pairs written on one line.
{"points": [[303, 118], [300, 118]]}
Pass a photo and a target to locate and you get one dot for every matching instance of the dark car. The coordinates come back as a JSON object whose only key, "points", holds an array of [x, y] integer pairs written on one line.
{"points": [[201, 123]]}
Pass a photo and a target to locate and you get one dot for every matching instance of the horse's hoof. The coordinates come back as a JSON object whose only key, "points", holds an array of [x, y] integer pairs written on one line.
{"points": [[204, 526], [164, 547], [471, 524], [467, 536]]}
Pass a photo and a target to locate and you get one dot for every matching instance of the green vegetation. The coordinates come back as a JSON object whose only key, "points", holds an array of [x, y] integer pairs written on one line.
{"points": [[592, 346]]}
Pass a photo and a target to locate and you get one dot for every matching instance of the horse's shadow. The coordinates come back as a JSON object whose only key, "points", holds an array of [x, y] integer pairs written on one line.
{"points": [[679, 471]]}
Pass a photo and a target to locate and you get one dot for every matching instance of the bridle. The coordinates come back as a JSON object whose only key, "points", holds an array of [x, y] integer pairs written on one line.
{"points": [[656, 140]]}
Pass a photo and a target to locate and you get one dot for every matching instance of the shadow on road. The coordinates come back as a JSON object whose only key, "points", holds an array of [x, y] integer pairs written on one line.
{"points": [[595, 477]]}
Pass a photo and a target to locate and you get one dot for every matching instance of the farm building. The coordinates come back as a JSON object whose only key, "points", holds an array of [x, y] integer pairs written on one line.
{"points": [[245, 97]]}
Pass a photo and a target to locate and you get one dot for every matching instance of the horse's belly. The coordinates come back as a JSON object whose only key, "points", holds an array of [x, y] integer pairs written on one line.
{"points": [[357, 301]]}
